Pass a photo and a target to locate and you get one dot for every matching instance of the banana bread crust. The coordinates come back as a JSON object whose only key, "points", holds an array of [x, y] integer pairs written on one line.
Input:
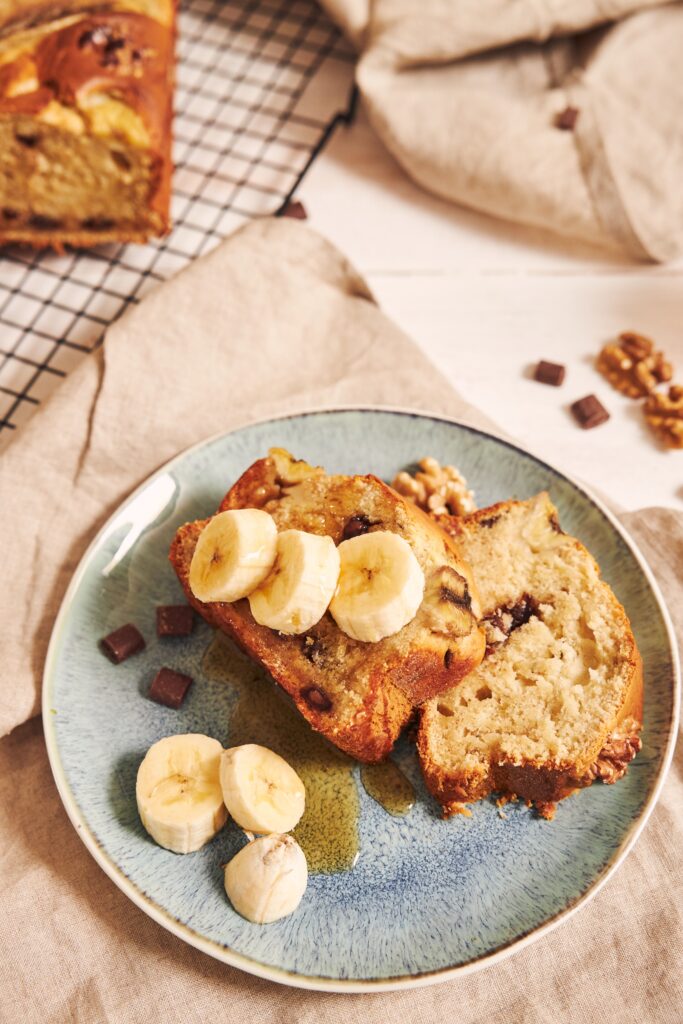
{"points": [[359, 695]]}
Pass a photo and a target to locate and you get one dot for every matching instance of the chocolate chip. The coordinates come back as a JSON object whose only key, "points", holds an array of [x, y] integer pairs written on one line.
{"points": [[316, 698], [9, 214], [38, 220], [312, 648], [169, 687], [488, 522], [174, 620], [26, 139], [448, 658], [121, 160], [294, 209], [98, 224], [522, 611], [555, 523], [549, 373], [589, 412], [505, 619], [567, 119], [357, 525], [123, 643]]}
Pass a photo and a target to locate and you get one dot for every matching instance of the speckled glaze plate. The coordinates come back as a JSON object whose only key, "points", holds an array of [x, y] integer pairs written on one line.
{"points": [[427, 899]]}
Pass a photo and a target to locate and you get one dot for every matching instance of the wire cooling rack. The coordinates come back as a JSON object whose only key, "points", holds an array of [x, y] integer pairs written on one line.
{"points": [[261, 85]]}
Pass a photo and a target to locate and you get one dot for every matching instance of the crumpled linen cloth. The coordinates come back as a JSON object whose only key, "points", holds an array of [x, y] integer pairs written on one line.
{"points": [[275, 320], [465, 95]]}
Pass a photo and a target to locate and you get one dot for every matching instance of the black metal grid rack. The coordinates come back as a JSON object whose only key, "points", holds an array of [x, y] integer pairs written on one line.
{"points": [[260, 86]]}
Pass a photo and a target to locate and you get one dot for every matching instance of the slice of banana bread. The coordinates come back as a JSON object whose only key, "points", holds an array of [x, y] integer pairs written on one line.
{"points": [[359, 695], [85, 120], [557, 701]]}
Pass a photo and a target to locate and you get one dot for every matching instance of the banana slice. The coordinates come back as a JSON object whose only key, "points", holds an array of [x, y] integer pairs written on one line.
{"points": [[179, 792], [300, 586], [261, 791], [380, 586], [235, 552], [267, 878]]}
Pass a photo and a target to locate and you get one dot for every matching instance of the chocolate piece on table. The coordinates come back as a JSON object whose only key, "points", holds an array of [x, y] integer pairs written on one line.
{"points": [[123, 643], [589, 412], [567, 119], [549, 373], [295, 210], [169, 687], [174, 620]]}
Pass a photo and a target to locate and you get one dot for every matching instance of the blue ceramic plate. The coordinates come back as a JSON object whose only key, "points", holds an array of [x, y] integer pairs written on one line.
{"points": [[427, 899]]}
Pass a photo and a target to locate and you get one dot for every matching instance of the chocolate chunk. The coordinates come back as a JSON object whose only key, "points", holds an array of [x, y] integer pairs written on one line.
{"points": [[522, 611], [488, 522], [169, 687], [567, 118], [26, 139], [448, 658], [123, 643], [357, 525], [98, 223], [312, 648], [506, 618], [9, 214], [121, 160], [589, 412], [174, 620], [294, 209], [316, 698], [549, 373], [38, 220]]}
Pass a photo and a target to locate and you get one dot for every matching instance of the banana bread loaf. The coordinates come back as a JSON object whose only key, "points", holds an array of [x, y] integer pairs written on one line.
{"points": [[557, 701], [357, 694], [85, 120]]}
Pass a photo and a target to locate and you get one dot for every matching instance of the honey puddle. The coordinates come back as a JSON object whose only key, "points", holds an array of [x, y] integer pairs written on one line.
{"points": [[328, 830], [386, 783]]}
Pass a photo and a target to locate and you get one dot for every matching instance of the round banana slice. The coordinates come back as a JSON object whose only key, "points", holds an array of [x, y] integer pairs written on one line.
{"points": [[267, 878], [380, 586], [179, 793], [235, 552], [300, 586], [261, 791]]}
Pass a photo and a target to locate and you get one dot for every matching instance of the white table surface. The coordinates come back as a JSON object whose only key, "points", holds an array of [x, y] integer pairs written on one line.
{"points": [[485, 300]]}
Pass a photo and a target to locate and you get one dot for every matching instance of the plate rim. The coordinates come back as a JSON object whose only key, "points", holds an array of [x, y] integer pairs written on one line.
{"points": [[321, 983]]}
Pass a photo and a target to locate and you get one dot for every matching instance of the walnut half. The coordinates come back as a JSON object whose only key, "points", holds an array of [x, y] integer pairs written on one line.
{"points": [[664, 413], [633, 366], [440, 490]]}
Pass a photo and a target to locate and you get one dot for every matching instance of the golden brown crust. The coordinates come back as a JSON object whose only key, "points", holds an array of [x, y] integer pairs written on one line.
{"points": [[541, 783], [369, 736], [358, 695]]}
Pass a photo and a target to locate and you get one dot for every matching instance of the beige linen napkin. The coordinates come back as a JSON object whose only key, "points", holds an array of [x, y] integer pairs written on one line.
{"points": [[465, 94], [275, 320]]}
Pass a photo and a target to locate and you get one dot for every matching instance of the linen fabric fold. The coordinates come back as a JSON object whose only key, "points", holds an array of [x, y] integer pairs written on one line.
{"points": [[468, 96], [273, 321]]}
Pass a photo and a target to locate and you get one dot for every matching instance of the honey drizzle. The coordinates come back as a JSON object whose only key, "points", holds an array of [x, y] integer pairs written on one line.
{"points": [[386, 783], [328, 830]]}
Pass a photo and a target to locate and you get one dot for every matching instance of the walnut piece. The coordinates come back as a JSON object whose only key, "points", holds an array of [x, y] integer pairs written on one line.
{"points": [[633, 366], [619, 750], [664, 412], [439, 490]]}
